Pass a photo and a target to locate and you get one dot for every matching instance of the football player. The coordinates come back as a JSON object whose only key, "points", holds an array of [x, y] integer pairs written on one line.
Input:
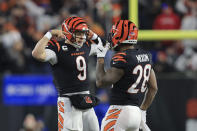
{"points": [[69, 62], [132, 78]]}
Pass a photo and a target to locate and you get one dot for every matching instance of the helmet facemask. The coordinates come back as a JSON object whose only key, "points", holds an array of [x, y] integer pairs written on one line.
{"points": [[79, 37]]}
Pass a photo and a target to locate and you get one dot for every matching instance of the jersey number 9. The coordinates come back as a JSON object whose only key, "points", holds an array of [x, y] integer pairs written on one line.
{"points": [[81, 66]]}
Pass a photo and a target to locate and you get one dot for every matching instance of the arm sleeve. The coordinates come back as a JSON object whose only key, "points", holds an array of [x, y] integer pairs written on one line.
{"points": [[53, 45]]}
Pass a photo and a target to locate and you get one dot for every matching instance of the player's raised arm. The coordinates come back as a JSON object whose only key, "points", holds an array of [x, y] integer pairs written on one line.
{"points": [[39, 52], [151, 92], [104, 78]]}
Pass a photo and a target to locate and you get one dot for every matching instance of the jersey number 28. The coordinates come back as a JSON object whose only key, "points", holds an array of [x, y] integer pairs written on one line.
{"points": [[142, 73]]}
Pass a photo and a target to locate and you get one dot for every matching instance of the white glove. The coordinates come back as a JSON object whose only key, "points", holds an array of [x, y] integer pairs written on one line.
{"points": [[101, 50], [143, 124]]}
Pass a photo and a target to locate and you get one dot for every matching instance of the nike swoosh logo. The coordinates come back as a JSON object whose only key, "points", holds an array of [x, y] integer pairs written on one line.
{"points": [[100, 50]]}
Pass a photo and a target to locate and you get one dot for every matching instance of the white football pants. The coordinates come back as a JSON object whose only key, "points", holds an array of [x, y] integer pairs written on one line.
{"points": [[72, 119], [121, 118]]}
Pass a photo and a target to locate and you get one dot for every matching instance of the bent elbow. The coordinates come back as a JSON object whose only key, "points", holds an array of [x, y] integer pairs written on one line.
{"points": [[33, 53], [37, 56], [155, 89]]}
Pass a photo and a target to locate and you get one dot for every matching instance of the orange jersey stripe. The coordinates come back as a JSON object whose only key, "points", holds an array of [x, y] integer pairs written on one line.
{"points": [[52, 43], [118, 56], [120, 53], [56, 42], [58, 46], [123, 60]]}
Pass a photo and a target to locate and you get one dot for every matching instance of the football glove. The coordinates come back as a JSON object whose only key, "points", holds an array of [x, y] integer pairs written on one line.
{"points": [[101, 49]]}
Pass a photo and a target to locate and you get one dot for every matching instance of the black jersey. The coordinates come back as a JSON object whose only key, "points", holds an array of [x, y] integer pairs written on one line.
{"points": [[71, 71], [129, 90]]}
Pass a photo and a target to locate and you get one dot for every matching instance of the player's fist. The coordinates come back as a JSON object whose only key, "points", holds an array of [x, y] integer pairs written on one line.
{"points": [[58, 33], [101, 49], [90, 34]]}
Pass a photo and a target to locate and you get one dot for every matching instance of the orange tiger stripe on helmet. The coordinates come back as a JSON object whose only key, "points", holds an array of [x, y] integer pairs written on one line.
{"points": [[78, 23], [71, 24], [68, 20], [123, 31]]}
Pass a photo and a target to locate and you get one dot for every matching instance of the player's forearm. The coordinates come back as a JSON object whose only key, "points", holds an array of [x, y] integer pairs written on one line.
{"points": [[148, 99], [39, 50], [100, 72]]}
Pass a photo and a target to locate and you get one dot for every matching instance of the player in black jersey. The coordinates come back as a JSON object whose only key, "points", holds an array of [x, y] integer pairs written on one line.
{"points": [[69, 62], [131, 76]]}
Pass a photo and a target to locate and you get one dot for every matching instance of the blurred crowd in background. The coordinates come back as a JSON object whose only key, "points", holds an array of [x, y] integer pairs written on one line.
{"points": [[171, 56], [24, 22]]}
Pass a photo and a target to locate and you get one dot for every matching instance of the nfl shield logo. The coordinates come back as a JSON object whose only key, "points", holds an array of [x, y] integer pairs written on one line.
{"points": [[88, 99]]}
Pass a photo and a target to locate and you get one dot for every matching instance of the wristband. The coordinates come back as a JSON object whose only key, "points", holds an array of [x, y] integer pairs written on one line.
{"points": [[94, 37], [48, 35]]}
